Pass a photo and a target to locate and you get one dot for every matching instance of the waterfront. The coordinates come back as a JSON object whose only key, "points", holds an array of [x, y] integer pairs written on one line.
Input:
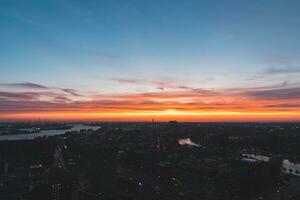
{"points": [[46, 133]]}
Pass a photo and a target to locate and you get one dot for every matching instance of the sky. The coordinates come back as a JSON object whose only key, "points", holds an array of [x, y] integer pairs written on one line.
{"points": [[138, 60]]}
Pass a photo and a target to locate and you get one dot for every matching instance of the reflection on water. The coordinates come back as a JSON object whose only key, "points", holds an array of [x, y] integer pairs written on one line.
{"points": [[188, 141], [43, 133]]}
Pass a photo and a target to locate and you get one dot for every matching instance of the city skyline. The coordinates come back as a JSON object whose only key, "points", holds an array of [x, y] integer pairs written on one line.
{"points": [[144, 60]]}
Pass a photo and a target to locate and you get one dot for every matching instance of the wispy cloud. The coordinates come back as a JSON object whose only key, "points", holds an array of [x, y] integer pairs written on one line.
{"points": [[25, 85], [71, 91], [269, 73], [284, 93], [27, 96], [281, 106], [282, 70], [158, 84], [186, 99], [279, 60], [38, 88]]}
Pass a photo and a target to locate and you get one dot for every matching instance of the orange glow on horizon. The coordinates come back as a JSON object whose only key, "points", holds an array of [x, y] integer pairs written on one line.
{"points": [[190, 105], [157, 115]]}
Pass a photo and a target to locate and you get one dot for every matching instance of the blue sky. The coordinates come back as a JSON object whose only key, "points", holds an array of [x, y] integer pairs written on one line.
{"points": [[64, 42]]}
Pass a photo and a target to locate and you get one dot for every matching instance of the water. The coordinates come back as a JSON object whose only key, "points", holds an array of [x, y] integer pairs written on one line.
{"points": [[46, 133], [188, 141]]}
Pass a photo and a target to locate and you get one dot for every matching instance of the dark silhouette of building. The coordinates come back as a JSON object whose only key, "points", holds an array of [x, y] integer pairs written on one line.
{"points": [[61, 185]]}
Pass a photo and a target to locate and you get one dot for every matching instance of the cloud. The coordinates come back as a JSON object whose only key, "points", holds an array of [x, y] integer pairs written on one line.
{"points": [[284, 106], [62, 99], [282, 97], [279, 60], [131, 81], [34, 96], [158, 84], [19, 96], [274, 71], [8, 106], [282, 70], [39, 88], [71, 91], [282, 93], [25, 85]]}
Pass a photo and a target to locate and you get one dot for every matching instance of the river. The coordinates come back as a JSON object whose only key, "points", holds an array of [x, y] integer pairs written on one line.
{"points": [[43, 133]]}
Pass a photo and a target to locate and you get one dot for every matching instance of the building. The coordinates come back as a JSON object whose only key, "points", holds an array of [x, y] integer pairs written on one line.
{"points": [[60, 185], [290, 168]]}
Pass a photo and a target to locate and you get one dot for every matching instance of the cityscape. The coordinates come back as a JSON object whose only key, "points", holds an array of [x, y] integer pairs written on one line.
{"points": [[173, 160], [149, 99]]}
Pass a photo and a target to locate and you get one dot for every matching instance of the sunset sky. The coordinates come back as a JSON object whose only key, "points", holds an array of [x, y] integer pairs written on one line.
{"points": [[138, 60]]}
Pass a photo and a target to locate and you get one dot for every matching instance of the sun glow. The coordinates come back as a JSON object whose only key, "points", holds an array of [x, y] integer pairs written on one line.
{"points": [[158, 115]]}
